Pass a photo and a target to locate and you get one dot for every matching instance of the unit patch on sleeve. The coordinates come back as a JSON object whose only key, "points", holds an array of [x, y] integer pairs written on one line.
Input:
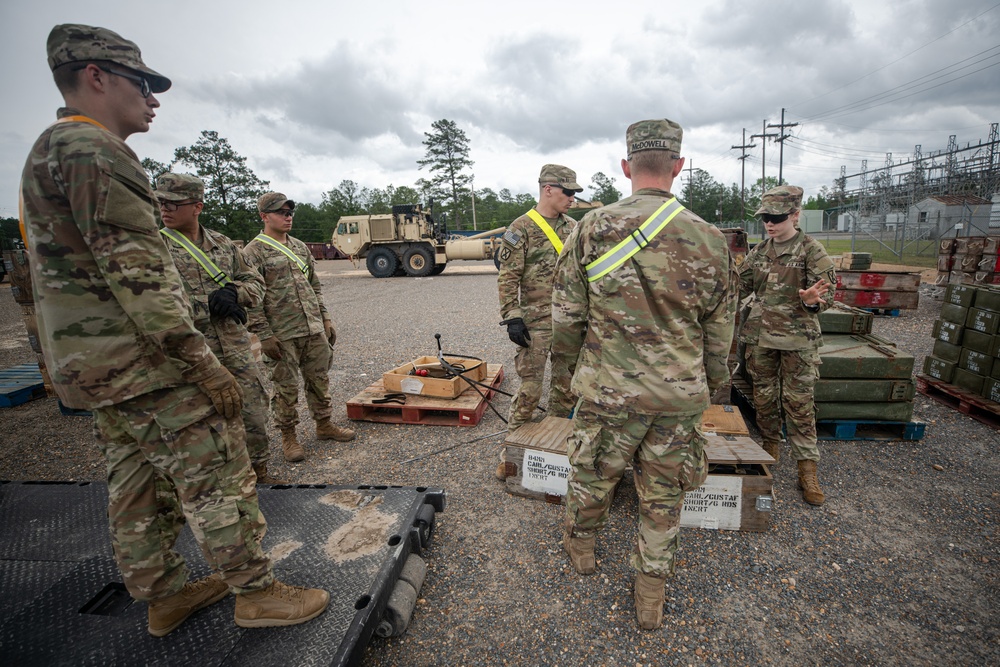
{"points": [[504, 254]]}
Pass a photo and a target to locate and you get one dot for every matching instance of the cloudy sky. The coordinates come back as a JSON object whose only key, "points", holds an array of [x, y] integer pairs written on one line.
{"points": [[317, 92]]}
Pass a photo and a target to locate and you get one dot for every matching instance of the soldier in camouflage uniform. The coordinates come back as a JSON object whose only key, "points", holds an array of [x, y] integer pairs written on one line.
{"points": [[644, 300], [528, 255], [295, 329], [791, 280], [218, 301], [118, 339]]}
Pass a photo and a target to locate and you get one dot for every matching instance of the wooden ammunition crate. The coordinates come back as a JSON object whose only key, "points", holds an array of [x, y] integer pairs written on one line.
{"points": [[735, 496], [399, 378]]}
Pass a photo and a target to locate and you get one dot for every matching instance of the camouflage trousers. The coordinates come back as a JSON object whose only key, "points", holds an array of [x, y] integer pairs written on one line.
{"points": [[669, 453], [530, 365], [312, 356], [172, 458], [246, 370], [786, 380]]}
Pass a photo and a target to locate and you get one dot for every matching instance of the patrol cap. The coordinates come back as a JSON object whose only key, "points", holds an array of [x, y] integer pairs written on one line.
{"points": [[556, 174], [654, 135], [272, 201], [72, 42], [178, 187], [780, 200]]}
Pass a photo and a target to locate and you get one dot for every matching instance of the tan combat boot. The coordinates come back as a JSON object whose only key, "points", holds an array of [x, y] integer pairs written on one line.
{"points": [[260, 469], [327, 430], [290, 446], [166, 614], [649, 597], [279, 604], [581, 552], [811, 493], [773, 448]]}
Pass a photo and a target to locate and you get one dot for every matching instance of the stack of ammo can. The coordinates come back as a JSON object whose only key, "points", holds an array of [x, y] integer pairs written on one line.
{"points": [[967, 344], [853, 261], [969, 261], [862, 377]]}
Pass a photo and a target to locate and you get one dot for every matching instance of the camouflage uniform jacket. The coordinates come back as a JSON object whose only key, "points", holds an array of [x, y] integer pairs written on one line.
{"points": [[653, 335], [112, 314], [225, 336], [293, 304], [527, 267], [778, 319]]}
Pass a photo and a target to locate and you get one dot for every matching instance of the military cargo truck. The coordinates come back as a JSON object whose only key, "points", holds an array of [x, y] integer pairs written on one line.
{"points": [[409, 242]]}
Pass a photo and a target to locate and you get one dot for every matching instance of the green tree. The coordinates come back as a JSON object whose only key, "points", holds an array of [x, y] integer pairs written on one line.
{"points": [[312, 224], [447, 158], [231, 187], [602, 189], [10, 233], [819, 201], [345, 199], [154, 168]]}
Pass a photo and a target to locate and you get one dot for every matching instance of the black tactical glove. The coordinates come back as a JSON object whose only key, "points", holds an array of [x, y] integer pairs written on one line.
{"points": [[517, 331], [225, 303]]}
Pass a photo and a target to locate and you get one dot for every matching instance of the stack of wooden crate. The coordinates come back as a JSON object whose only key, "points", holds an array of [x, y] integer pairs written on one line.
{"points": [[966, 356], [879, 290], [854, 261], [969, 261]]}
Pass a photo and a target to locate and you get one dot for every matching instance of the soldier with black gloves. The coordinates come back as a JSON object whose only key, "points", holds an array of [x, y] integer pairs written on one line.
{"points": [[221, 284], [528, 255]]}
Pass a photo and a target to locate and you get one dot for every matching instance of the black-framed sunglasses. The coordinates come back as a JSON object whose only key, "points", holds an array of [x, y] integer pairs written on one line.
{"points": [[140, 81], [172, 206], [773, 219], [284, 212], [565, 191]]}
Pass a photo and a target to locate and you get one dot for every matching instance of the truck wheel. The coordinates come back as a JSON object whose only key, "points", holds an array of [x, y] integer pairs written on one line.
{"points": [[496, 258], [438, 269], [418, 261], [382, 262]]}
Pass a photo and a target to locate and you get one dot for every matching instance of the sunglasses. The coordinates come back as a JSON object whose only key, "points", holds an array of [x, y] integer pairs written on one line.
{"points": [[774, 219], [140, 81], [173, 206], [284, 212], [565, 191]]}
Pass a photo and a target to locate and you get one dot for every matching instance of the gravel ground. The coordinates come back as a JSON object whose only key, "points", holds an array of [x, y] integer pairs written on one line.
{"points": [[898, 568]]}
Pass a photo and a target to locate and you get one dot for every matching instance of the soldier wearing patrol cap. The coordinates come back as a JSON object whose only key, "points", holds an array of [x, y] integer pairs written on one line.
{"points": [[644, 301], [220, 284], [791, 280], [118, 340], [528, 254], [294, 326]]}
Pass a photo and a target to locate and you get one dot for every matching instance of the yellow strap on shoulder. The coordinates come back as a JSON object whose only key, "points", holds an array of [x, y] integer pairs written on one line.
{"points": [[81, 119], [544, 225], [281, 247], [206, 263]]}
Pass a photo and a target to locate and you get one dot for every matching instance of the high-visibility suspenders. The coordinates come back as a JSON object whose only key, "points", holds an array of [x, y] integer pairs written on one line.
{"points": [[636, 241], [267, 240], [544, 225], [210, 267]]}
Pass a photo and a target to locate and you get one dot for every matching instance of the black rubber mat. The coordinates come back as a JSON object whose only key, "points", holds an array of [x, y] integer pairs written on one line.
{"points": [[62, 601]]}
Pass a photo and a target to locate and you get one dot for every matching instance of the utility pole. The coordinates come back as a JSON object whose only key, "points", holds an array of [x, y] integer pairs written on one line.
{"points": [[690, 171], [472, 188], [763, 153], [781, 140], [743, 174]]}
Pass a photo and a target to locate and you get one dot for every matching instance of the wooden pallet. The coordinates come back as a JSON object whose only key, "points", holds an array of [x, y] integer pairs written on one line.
{"points": [[466, 410], [20, 384], [868, 429], [979, 408]]}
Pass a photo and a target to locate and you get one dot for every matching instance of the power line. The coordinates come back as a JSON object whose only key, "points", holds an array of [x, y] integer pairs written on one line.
{"points": [[903, 57]]}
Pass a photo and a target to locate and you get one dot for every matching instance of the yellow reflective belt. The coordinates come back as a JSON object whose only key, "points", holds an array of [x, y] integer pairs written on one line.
{"points": [[544, 225], [211, 268], [267, 240], [635, 242]]}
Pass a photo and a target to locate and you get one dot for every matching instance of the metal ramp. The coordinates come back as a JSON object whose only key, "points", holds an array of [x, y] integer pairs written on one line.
{"points": [[62, 601]]}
